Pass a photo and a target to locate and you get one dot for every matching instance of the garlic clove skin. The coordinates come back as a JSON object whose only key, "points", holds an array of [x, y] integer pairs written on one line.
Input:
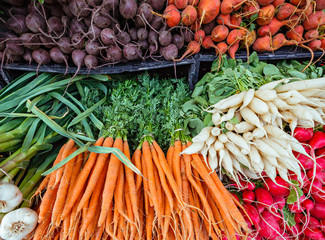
{"points": [[10, 197], [17, 224]]}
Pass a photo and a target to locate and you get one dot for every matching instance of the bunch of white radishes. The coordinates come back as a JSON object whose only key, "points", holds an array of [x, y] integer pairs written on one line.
{"points": [[16, 224], [248, 140]]}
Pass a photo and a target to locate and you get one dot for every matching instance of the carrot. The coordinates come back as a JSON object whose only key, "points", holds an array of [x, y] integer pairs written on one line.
{"points": [[131, 184], [208, 10], [137, 163], [76, 170], [130, 212], [111, 179], [177, 164], [42, 227], [150, 223], [170, 154], [195, 217], [81, 179], [109, 221], [192, 48], [95, 199], [63, 189], [99, 233], [66, 227], [42, 186], [65, 154], [148, 201], [94, 178], [189, 15]]}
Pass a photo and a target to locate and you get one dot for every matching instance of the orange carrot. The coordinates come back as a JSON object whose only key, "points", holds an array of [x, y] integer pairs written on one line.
{"points": [[63, 189], [65, 154], [98, 168], [109, 221], [110, 183], [177, 164], [82, 178], [42, 186], [99, 233], [42, 227], [150, 223], [76, 170], [170, 154], [130, 212]]}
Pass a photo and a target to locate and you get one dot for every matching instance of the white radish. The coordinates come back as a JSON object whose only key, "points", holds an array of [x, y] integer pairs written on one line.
{"points": [[280, 104], [301, 113], [244, 127], [318, 83], [270, 170], [229, 115], [313, 93], [218, 145], [277, 132], [270, 159], [216, 118], [210, 141], [232, 148], [272, 85], [250, 117], [237, 140], [17, 224], [223, 138], [236, 164], [296, 146], [273, 109], [293, 166], [265, 149], [203, 135], [305, 124], [213, 163], [248, 98], [215, 131], [266, 95], [248, 136], [281, 150], [196, 147], [283, 172], [258, 133], [229, 126], [238, 116], [212, 152], [10, 197], [250, 174], [227, 164], [315, 114], [231, 101], [257, 162], [267, 117], [258, 106], [221, 155]]}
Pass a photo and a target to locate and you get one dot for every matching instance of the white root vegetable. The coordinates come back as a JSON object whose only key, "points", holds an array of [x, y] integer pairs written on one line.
{"points": [[281, 151], [250, 117], [277, 132], [215, 131], [229, 102], [315, 114], [313, 93], [248, 98], [280, 104], [232, 148], [221, 155], [237, 140], [258, 106], [210, 141], [203, 135], [248, 136], [302, 85], [17, 224], [293, 166], [216, 118], [244, 127], [283, 172], [267, 117], [305, 124], [223, 138], [257, 162], [250, 174], [218, 145], [301, 112], [196, 147], [272, 85], [258, 133], [213, 163], [227, 164], [266, 95], [10, 197], [270, 170], [265, 149], [238, 116], [270, 159], [229, 115], [274, 110], [229, 126]]}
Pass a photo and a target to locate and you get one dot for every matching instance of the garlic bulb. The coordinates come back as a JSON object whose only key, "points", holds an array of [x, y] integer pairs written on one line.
{"points": [[10, 197], [17, 224]]}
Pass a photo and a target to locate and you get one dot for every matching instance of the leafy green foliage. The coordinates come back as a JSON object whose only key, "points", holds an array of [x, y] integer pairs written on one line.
{"points": [[288, 216]]}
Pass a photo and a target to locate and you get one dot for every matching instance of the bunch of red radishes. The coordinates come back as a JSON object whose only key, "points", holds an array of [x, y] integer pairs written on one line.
{"points": [[279, 210]]}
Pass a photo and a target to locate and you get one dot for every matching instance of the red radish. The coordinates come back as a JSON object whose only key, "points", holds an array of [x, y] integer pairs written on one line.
{"points": [[234, 36], [303, 134], [259, 207], [193, 2], [235, 196], [319, 196], [318, 211], [262, 44], [311, 34], [264, 2], [277, 3], [235, 20], [296, 208], [320, 163], [250, 186], [250, 9], [265, 15], [275, 214], [316, 187], [295, 34], [314, 20], [263, 197], [172, 16], [248, 196], [280, 202], [305, 161], [199, 36], [181, 4], [322, 225], [319, 174], [219, 33], [286, 10], [248, 221], [192, 48], [189, 15], [316, 234], [299, 218], [267, 220], [320, 152], [252, 213], [278, 189], [318, 140], [208, 10]]}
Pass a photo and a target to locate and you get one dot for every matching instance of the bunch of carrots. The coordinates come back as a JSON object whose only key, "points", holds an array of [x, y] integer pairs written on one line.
{"points": [[95, 196]]}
